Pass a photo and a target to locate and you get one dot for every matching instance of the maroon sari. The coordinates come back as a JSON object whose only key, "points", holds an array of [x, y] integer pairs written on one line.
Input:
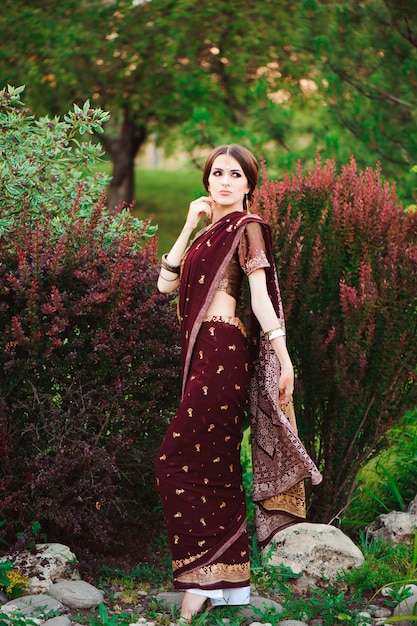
{"points": [[198, 466]]}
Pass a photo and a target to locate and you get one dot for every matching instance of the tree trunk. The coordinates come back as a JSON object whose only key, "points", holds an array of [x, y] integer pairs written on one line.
{"points": [[122, 151]]}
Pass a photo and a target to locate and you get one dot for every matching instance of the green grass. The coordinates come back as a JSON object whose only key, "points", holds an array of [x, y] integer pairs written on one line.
{"points": [[337, 603], [387, 481], [166, 195]]}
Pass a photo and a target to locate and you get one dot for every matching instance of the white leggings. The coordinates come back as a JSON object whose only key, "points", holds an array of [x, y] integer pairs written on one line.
{"points": [[218, 597]]}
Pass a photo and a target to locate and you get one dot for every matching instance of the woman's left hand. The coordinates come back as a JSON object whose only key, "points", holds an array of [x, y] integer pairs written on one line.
{"points": [[286, 384]]}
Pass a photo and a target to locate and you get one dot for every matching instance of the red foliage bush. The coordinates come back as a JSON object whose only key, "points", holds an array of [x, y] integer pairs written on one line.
{"points": [[346, 255], [89, 367]]}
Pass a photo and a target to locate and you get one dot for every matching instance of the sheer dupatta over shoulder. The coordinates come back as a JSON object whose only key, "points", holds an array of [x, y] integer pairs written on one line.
{"points": [[280, 461]]}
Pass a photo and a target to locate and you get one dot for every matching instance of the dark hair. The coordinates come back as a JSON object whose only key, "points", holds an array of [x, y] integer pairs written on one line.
{"points": [[244, 157]]}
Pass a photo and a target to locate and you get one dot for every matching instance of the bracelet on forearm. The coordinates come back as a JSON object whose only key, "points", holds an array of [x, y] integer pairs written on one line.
{"points": [[175, 269], [170, 280], [274, 333]]}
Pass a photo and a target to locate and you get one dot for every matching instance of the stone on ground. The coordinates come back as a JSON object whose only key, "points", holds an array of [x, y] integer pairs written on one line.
{"points": [[33, 605], [316, 551], [76, 594], [258, 606], [407, 607], [396, 527], [61, 620], [50, 562]]}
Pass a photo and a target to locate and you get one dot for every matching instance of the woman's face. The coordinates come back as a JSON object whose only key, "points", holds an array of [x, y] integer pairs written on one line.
{"points": [[227, 182]]}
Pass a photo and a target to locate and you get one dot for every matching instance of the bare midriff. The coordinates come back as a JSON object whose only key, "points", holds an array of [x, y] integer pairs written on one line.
{"points": [[222, 305]]}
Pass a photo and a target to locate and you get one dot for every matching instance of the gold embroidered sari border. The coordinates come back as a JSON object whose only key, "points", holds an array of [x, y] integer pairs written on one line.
{"points": [[217, 573], [234, 321]]}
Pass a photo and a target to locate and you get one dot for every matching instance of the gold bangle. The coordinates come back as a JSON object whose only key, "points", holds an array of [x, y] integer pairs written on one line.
{"points": [[274, 333], [175, 269]]}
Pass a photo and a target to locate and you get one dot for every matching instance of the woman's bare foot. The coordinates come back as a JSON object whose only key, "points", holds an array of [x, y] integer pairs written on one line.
{"points": [[192, 603]]}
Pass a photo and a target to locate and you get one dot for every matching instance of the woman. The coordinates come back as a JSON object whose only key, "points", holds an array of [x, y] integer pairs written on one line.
{"points": [[198, 466]]}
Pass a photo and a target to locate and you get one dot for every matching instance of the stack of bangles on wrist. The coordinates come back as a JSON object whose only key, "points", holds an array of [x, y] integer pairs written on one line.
{"points": [[174, 269], [274, 333]]}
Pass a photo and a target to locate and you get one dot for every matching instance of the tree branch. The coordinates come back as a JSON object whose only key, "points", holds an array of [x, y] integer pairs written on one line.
{"points": [[389, 96]]}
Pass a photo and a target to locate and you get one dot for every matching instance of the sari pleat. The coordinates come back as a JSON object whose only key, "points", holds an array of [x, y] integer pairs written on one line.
{"points": [[198, 467]]}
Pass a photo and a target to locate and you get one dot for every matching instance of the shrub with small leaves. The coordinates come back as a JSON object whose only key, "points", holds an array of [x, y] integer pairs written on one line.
{"points": [[346, 254], [16, 585], [5, 568], [89, 361], [43, 160]]}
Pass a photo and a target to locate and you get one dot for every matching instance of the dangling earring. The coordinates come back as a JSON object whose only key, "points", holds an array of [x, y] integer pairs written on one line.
{"points": [[246, 203]]}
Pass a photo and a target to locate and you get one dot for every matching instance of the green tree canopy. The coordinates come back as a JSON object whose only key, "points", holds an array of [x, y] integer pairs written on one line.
{"points": [[288, 80], [154, 65], [362, 57]]}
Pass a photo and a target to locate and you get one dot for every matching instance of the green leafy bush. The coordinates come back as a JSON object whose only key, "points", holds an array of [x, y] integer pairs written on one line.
{"points": [[384, 564], [89, 367], [43, 161], [388, 481]]}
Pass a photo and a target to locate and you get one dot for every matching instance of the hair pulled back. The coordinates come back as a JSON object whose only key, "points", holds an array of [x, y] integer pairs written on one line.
{"points": [[244, 157]]}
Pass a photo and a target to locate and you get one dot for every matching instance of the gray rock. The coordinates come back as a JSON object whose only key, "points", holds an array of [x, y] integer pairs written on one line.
{"points": [[412, 507], [411, 589], [396, 527], [61, 620], [382, 612], [258, 606], [50, 562], [407, 607], [291, 622], [170, 599], [34, 605], [76, 594], [364, 618], [316, 551]]}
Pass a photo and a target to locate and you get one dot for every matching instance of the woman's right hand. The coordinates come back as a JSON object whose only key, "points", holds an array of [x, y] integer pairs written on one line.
{"points": [[198, 208], [202, 206]]}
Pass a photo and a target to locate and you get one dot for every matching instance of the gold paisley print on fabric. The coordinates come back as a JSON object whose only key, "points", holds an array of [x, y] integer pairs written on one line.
{"points": [[216, 573]]}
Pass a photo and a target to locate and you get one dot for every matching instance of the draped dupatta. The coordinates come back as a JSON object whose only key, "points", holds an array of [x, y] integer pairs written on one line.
{"points": [[279, 459]]}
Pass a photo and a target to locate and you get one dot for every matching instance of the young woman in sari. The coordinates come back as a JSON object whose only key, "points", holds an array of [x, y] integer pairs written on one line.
{"points": [[198, 469]]}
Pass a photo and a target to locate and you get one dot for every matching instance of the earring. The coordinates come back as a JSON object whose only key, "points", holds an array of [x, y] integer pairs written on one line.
{"points": [[247, 203]]}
